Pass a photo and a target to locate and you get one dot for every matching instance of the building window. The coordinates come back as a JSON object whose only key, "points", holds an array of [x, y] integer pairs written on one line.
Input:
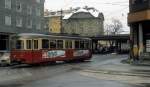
{"points": [[38, 12], [38, 26], [19, 22], [29, 23], [18, 6], [29, 10], [8, 20], [38, 1], [8, 4]]}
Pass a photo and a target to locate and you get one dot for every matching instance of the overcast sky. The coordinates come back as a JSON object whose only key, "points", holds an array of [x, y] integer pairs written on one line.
{"points": [[111, 8]]}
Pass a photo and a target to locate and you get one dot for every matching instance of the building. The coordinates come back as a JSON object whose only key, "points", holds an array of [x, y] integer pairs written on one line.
{"points": [[53, 24], [19, 16], [139, 22], [84, 22], [53, 19], [88, 21]]}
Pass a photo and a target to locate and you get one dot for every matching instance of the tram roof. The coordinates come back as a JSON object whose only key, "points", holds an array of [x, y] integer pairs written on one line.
{"points": [[37, 35]]}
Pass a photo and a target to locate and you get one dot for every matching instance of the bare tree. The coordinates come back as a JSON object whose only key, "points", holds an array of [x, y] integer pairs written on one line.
{"points": [[113, 28]]}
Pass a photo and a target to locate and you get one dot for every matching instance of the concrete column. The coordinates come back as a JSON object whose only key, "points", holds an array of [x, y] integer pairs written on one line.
{"points": [[141, 47], [131, 42], [135, 43]]}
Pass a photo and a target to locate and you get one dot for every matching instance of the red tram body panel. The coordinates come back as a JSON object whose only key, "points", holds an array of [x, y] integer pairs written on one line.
{"points": [[42, 56]]}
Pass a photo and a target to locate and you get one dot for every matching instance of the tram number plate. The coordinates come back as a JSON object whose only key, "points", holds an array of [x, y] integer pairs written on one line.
{"points": [[53, 54]]}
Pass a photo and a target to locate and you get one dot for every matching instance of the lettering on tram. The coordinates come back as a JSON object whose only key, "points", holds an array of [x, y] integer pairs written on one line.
{"points": [[81, 53], [53, 54]]}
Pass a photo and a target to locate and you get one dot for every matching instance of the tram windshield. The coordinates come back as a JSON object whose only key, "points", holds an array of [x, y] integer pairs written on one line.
{"points": [[19, 44]]}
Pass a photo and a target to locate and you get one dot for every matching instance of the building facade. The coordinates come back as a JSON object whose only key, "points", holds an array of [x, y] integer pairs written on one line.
{"points": [[53, 19], [139, 22], [84, 22], [20, 16], [53, 24]]}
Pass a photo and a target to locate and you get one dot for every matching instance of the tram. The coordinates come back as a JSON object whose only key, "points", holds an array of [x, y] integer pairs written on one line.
{"points": [[30, 48]]}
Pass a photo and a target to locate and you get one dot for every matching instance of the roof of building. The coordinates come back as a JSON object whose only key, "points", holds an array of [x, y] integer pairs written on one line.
{"points": [[94, 13]]}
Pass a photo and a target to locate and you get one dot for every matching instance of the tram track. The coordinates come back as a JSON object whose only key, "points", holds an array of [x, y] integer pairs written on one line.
{"points": [[110, 72]]}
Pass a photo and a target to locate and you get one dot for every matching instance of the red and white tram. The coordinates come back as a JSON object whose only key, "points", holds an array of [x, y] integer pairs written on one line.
{"points": [[32, 48]]}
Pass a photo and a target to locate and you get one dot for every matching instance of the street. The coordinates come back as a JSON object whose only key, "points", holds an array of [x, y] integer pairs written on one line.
{"points": [[101, 71]]}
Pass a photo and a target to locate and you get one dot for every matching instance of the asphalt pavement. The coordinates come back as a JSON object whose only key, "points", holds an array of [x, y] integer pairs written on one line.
{"points": [[100, 71]]}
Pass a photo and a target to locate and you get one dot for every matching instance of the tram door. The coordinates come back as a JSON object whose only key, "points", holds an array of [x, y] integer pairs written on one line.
{"points": [[4, 42]]}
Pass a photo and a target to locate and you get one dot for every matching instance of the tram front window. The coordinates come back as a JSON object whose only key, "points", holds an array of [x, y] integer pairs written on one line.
{"points": [[19, 44]]}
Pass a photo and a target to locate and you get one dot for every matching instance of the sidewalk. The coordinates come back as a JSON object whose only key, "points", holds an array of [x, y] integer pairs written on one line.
{"points": [[121, 72], [140, 69]]}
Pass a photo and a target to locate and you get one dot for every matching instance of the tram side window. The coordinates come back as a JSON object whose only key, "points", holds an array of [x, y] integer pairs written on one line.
{"points": [[45, 43], [59, 44], [86, 44], [82, 44], [29, 44], [19, 44], [77, 44], [68, 44], [52, 43], [35, 44]]}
